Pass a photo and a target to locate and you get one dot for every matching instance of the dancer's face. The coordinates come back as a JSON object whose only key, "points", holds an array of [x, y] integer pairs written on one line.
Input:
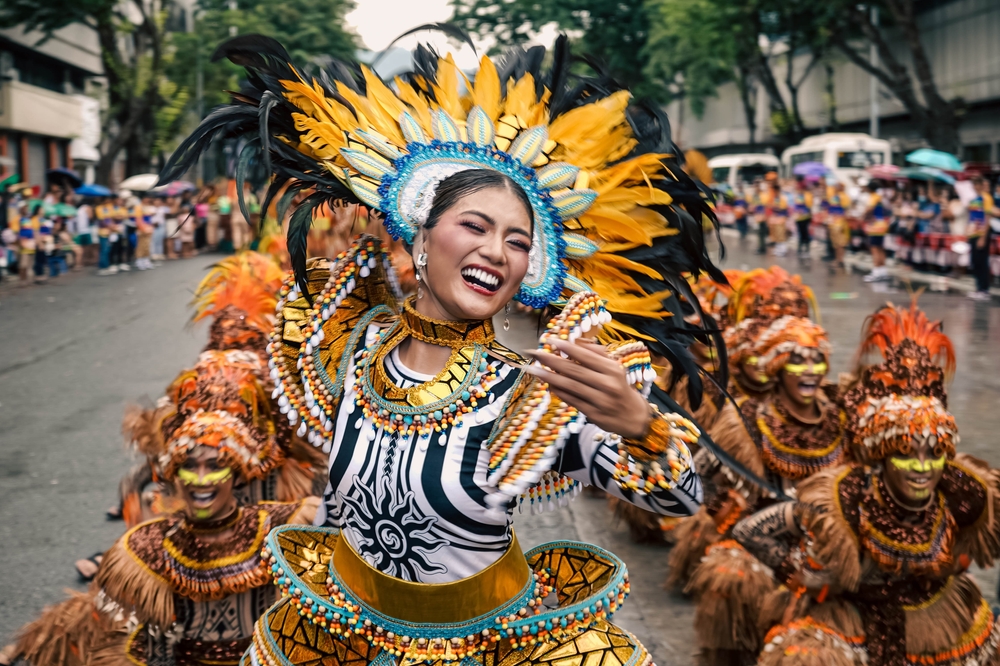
{"points": [[477, 256], [799, 380], [912, 479], [205, 484], [753, 373]]}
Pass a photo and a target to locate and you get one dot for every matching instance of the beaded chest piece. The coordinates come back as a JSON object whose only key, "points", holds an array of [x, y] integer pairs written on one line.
{"points": [[435, 405]]}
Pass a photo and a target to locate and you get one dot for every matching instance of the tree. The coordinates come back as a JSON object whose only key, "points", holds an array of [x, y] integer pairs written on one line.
{"points": [[937, 118], [306, 28], [712, 42], [614, 33], [131, 39]]}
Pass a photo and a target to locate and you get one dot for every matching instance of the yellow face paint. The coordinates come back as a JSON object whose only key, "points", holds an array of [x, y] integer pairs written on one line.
{"points": [[190, 478], [916, 465], [806, 369]]}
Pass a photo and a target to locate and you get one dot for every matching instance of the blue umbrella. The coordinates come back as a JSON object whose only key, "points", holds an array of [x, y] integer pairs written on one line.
{"points": [[926, 173], [93, 191], [810, 170], [934, 158]]}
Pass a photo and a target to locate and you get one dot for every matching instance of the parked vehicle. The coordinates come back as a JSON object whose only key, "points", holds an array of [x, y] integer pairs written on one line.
{"points": [[742, 167], [846, 155]]}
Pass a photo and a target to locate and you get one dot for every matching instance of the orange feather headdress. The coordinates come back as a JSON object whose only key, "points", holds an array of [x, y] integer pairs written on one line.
{"points": [[786, 336], [240, 293], [769, 293], [222, 403], [902, 397]]}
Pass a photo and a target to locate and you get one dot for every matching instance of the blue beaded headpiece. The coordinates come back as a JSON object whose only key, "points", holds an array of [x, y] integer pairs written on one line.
{"points": [[406, 179]]}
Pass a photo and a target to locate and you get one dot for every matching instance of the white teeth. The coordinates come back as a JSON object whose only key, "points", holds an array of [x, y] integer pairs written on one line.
{"points": [[481, 276], [203, 496]]}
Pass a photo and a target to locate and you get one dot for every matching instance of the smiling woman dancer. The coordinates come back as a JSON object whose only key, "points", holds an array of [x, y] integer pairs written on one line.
{"points": [[528, 188]]}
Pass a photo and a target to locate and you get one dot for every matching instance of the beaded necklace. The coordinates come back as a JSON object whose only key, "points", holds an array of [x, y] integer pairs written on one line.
{"points": [[923, 547], [435, 405], [796, 450]]}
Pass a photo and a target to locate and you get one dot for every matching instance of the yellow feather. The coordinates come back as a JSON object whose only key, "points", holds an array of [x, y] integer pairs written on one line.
{"points": [[645, 306], [521, 102], [613, 225], [486, 91], [601, 279], [419, 108], [324, 138], [385, 107], [593, 135], [628, 331], [446, 88], [358, 102], [625, 264], [624, 198], [315, 103], [639, 169]]}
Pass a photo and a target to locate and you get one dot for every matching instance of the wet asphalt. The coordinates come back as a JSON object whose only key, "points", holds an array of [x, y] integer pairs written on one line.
{"points": [[77, 350]]}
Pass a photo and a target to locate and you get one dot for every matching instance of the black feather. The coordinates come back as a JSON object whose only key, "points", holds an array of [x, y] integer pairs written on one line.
{"points": [[222, 122], [663, 400], [243, 165], [450, 29], [272, 191], [298, 238], [286, 200], [267, 101]]}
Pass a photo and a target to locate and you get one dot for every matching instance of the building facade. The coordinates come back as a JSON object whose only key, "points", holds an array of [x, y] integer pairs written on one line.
{"points": [[960, 37], [49, 101]]}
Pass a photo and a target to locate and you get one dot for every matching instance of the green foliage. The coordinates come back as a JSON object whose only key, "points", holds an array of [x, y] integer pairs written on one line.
{"points": [[615, 33], [169, 116], [51, 15], [306, 28], [693, 47]]}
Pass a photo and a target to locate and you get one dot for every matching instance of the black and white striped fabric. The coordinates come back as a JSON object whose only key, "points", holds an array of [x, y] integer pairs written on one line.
{"points": [[416, 509]]}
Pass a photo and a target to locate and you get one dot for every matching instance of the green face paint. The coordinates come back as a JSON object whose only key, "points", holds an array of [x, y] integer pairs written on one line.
{"points": [[915, 465], [202, 513], [190, 478]]}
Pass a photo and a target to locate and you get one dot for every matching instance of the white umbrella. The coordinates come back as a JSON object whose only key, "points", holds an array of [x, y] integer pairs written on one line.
{"points": [[141, 183]]}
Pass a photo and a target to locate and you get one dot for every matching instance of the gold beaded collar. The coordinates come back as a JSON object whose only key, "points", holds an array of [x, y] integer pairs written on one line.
{"points": [[454, 334]]}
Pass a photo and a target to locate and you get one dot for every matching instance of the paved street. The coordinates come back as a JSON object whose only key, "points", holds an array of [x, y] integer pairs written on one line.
{"points": [[78, 350]]}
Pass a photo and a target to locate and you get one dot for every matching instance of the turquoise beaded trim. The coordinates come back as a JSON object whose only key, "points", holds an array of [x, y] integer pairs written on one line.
{"points": [[424, 416], [516, 620], [336, 388]]}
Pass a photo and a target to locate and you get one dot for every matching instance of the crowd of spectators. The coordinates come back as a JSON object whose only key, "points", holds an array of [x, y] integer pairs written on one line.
{"points": [[946, 228], [45, 236]]}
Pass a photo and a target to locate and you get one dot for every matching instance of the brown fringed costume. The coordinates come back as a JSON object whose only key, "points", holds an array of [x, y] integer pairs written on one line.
{"points": [[164, 593], [890, 581], [728, 583]]}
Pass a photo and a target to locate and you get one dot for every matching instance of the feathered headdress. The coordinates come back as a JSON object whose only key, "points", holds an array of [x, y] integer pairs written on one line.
{"points": [[613, 212], [221, 402], [891, 325], [903, 396], [769, 293], [239, 445], [239, 293]]}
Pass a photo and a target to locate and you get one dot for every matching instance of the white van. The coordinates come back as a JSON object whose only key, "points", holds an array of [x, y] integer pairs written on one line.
{"points": [[847, 155], [742, 167]]}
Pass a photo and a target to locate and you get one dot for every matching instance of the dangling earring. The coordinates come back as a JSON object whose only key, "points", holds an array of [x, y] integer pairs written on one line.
{"points": [[421, 264], [506, 315]]}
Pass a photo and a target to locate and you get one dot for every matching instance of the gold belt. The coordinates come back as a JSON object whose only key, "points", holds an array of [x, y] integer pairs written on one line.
{"points": [[458, 601]]}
